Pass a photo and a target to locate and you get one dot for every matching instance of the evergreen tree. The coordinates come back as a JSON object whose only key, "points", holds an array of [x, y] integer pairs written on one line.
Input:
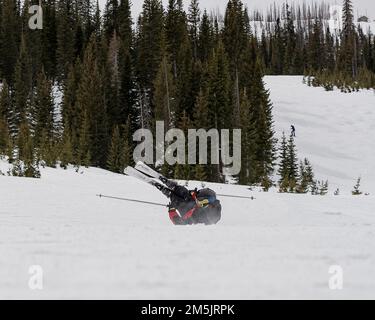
{"points": [[113, 84], [283, 170], [316, 52], [26, 164], [206, 41], [219, 89], [303, 183], [323, 188], [85, 13], [127, 149], [183, 171], [126, 67], [90, 100], [43, 107], [314, 188], [309, 173], [22, 87], [48, 39], [4, 137], [115, 157], [47, 150], [234, 38], [234, 32], [5, 102], [9, 38], [111, 18], [329, 51], [291, 43], [261, 110], [165, 94], [348, 48], [194, 18], [357, 191], [175, 31], [148, 55], [184, 89], [66, 153], [32, 41], [84, 141], [199, 173], [71, 114], [68, 40], [278, 49], [201, 114], [292, 164], [249, 138]]}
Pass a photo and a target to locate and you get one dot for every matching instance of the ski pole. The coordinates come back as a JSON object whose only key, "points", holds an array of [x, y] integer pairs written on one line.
{"points": [[239, 197], [131, 200]]}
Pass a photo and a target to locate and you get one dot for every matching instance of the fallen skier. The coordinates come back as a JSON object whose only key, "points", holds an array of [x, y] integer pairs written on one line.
{"points": [[186, 207], [193, 207]]}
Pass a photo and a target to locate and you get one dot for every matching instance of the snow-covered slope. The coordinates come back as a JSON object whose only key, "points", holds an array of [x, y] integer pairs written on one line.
{"points": [[277, 246], [334, 130]]}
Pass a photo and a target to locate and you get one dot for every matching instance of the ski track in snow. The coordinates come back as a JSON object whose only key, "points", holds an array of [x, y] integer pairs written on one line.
{"points": [[277, 246]]}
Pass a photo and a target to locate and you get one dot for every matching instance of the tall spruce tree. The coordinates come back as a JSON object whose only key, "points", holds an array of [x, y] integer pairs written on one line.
{"points": [[234, 38], [175, 31], [68, 44], [249, 138], [6, 103], [262, 117], [4, 137], [165, 94], [206, 41], [283, 170], [126, 67], [10, 28], [291, 43], [115, 157], [148, 55], [292, 164], [43, 108], [90, 100], [111, 18], [22, 87], [194, 18], [347, 56]]}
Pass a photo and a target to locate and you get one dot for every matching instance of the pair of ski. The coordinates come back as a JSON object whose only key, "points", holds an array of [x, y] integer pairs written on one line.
{"points": [[143, 172]]}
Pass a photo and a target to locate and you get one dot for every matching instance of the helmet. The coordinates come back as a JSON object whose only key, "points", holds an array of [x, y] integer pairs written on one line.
{"points": [[211, 206]]}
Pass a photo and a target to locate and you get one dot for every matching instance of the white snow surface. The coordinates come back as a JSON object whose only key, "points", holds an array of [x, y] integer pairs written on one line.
{"points": [[279, 246]]}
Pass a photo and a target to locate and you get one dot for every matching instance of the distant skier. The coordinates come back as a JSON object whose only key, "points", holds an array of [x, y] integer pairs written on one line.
{"points": [[293, 130], [192, 207]]}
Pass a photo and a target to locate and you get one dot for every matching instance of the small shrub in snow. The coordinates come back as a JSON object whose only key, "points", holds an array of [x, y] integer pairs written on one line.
{"points": [[323, 190], [266, 183], [357, 191], [314, 189]]}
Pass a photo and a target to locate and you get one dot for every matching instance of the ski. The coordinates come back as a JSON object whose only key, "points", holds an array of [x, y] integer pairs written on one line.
{"points": [[142, 167], [130, 171]]}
